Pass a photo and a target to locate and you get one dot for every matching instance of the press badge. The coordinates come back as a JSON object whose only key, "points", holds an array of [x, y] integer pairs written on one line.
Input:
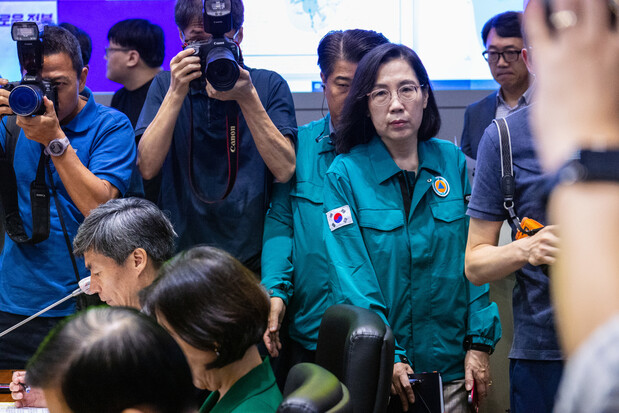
{"points": [[339, 217]]}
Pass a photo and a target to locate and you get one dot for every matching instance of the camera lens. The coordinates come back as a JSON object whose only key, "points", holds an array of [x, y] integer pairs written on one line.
{"points": [[222, 71], [26, 100]]}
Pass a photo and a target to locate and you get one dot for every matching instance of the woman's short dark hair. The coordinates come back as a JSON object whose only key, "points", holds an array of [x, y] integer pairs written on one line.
{"points": [[211, 301], [187, 11], [356, 127], [141, 35], [108, 359], [348, 45]]}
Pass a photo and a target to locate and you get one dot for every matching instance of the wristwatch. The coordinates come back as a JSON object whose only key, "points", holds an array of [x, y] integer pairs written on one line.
{"points": [[469, 345], [588, 166], [57, 147]]}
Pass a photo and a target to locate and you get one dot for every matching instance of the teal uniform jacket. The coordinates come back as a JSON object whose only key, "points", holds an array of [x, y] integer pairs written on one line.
{"points": [[255, 392], [294, 265], [408, 269]]}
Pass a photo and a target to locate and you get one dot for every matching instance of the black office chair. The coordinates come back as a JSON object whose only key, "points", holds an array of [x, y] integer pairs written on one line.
{"points": [[358, 347], [312, 389]]}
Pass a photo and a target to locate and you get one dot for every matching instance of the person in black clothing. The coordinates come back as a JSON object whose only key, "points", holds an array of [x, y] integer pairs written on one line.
{"points": [[83, 39], [134, 56]]}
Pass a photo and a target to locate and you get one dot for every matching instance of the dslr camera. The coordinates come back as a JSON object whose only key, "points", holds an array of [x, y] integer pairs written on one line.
{"points": [[220, 57], [26, 98]]}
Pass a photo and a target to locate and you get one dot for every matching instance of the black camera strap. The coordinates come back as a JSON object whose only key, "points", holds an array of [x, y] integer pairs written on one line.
{"points": [[83, 300], [232, 142], [61, 219], [39, 193]]}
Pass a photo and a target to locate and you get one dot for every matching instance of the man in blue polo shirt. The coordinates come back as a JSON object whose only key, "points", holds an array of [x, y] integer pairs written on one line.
{"points": [[91, 153], [184, 137]]}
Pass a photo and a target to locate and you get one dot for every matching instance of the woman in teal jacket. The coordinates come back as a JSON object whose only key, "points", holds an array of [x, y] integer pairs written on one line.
{"points": [[215, 308], [294, 266], [396, 229]]}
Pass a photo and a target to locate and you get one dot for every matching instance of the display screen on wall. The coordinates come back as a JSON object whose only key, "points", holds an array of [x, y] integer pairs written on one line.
{"points": [[282, 35]]}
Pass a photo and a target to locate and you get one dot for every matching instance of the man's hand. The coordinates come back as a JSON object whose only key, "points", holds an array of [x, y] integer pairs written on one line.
{"points": [[271, 335], [400, 384], [184, 67], [242, 89], [33, 398], [477, 370], [4, 99], [542, 248], [575, 66], [44, 128]]}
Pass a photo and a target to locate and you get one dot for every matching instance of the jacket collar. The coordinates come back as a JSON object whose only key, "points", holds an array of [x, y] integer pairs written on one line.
{"points": [[385, 167], [324, 140], [257, 381]]}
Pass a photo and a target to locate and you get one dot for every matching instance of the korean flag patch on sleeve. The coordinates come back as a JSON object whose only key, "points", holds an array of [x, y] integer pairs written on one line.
{"points": [[339, 217]]}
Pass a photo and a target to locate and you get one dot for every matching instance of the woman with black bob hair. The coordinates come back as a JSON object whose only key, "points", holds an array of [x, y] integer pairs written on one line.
{"points": [[112, 360], [356, 128], [217, 312], [395, 202]]}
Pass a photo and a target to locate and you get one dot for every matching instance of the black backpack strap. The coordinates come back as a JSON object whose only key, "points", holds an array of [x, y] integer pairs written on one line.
{"points": [[508, 185], [11, 136], [39, 193]]}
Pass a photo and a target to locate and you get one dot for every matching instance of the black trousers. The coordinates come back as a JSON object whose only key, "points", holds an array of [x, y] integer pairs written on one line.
{"points": [[19, 345], [292, 353]]}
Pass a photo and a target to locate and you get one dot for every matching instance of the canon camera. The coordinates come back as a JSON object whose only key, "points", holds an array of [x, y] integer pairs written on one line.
{"points": [[26, 98], [220, 57]]}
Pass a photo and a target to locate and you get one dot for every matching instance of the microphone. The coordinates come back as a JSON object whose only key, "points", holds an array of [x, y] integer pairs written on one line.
{"points": [[84, 289]]}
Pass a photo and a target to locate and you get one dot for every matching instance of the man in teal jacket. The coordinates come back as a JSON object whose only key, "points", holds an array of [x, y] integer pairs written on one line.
{"points": [[293, 257]]}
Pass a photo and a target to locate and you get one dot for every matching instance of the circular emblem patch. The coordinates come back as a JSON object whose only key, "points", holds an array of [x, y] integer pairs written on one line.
{"points": [[440, 186]]}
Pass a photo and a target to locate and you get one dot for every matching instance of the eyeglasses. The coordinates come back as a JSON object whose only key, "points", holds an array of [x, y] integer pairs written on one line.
{"points": [[508, 55], [109, 50], [406, 93]]}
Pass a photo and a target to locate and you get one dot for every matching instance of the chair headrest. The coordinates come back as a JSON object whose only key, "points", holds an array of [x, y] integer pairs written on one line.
{"points": [[311, 388]]}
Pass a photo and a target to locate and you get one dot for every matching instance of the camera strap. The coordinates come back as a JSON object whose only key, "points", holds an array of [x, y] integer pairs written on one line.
{"points": [[39, 193], [84, 300], [508, 183], [232, 144]]}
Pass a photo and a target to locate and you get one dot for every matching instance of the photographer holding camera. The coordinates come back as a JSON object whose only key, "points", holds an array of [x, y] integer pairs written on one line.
{"points": [[81, 154], [216, 177]]}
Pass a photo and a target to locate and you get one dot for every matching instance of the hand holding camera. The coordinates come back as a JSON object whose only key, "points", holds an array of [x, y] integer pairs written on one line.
{"points": [[184, 68], [220, 57], [44, 128], [26, 97], [239, 92], [5, 109], [33, 98]]}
